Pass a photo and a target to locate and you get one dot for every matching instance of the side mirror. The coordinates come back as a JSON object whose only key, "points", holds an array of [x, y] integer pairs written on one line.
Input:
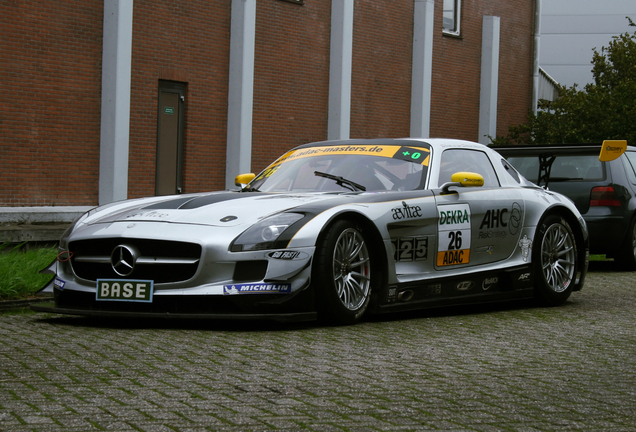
{"points": [[242, 180], [463, 179], [612, 149]]}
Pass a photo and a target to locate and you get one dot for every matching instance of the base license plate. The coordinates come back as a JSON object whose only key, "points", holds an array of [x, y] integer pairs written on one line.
{"points": [[124, 290]]}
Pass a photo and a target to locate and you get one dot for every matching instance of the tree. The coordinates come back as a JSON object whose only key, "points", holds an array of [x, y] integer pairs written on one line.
{"points": [[605, 109]]}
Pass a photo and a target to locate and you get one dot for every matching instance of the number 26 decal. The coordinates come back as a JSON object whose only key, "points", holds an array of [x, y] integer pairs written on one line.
{"points": [[454, 240]]}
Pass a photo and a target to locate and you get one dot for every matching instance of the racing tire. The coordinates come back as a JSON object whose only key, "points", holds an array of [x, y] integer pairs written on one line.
{"points": [[626, 256], [342, 274], [556, 261]]}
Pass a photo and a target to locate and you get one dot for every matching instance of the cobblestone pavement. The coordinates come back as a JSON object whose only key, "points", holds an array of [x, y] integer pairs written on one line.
{"points": [[515, 367]]}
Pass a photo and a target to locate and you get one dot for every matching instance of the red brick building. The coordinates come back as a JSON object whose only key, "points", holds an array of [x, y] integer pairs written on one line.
{"points": [[57, 110]]}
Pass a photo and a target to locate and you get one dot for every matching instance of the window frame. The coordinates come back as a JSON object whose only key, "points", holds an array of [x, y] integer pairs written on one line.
{"points": [[457, 18], [471, 156]]}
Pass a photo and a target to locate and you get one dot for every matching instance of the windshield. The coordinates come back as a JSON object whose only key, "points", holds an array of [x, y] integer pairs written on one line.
{"points": [[346, 168]]}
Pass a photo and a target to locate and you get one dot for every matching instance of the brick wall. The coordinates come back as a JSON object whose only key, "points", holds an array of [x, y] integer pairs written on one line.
{"points": [[381, 76], [185, 41], [50, 84], [457, 68], [291, 77], [50, 99]]}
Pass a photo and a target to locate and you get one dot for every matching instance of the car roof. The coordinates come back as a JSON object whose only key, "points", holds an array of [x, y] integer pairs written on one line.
{"points": [[437, 143]]}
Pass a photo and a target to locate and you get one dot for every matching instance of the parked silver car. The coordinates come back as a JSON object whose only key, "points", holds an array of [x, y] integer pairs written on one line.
{"points": [[331, 230]]}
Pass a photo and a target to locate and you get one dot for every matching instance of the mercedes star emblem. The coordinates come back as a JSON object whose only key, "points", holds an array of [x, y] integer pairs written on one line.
{"points": [[123, 260]]}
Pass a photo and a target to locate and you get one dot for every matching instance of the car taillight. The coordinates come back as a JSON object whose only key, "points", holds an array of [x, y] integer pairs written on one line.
{"points": [[604, 196]]}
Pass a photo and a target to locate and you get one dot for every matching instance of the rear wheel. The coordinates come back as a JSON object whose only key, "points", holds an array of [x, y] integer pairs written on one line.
{"points": [[556, 261], [342, 274], [626, 256]]}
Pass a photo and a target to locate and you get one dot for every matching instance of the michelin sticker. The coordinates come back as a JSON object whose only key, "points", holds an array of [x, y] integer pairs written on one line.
{"points": [[454, 234], [256, 288]]}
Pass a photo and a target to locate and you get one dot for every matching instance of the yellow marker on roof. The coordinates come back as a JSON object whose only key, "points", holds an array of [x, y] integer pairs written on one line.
{"points": [[612, 149]]}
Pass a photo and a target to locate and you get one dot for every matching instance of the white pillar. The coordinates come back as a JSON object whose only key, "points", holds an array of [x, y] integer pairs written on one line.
{"points": [[535, 65], [339, 117], [421, 79], [241, 90], [115, 115], [489, 79]]}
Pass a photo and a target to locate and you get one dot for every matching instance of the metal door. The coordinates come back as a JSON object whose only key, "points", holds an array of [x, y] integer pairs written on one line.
{"points": [[170, 125]]}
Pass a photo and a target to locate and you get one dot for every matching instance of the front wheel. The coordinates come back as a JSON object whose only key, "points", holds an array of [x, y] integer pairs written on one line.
{"points": [[556, 261], [342, 274]]}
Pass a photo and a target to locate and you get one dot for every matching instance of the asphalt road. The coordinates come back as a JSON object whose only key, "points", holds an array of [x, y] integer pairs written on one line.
{"points": [[512, 367]]}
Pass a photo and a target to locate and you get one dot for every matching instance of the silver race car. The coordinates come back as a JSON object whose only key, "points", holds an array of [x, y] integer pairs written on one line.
{"points": [[331, 230]]}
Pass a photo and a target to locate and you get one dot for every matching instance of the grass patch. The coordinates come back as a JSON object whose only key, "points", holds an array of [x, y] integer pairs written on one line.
{"points": [[20, 268]]}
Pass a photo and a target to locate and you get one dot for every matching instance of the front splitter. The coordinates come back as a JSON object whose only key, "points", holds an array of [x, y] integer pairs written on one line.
{"points": [[280, 317]]}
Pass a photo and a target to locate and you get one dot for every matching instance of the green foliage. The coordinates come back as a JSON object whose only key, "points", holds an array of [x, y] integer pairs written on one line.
{"points": [[603, 110], [20, 270]]}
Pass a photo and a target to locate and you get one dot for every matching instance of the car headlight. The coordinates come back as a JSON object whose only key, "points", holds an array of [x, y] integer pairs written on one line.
{"points": [[265, 234]]}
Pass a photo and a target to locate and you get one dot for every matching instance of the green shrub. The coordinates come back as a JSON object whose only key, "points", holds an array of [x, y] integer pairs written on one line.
{"points": [[20, 266]]}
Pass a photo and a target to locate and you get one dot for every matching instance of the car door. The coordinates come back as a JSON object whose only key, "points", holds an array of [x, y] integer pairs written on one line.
{"points": [[475, 225]]}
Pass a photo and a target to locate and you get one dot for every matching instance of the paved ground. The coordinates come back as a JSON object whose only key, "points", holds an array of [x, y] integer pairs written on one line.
{"points": [[514, 367]]}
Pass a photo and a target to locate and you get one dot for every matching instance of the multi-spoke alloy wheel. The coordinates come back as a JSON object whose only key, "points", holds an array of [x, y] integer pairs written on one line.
{"points": [[351, 269], [343, 274], [556, 260], [558, 257]]}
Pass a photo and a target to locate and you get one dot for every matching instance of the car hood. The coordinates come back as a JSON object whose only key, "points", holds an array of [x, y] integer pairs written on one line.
{"points": [[211, 209]]}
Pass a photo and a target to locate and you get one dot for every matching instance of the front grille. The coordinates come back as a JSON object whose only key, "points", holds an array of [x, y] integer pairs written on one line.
{"points": [[157, 260]]}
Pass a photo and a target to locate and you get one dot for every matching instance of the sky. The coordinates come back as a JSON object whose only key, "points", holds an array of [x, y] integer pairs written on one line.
{"points": [[571, 29]]}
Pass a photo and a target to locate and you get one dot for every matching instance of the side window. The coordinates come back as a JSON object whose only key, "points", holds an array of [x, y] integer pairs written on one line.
{"points": [[510, 170], [630, 162], [458, 160], [451, 16]]}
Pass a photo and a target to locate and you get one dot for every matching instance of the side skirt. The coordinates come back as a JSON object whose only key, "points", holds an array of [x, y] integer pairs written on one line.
{"points": [[482, 287]]}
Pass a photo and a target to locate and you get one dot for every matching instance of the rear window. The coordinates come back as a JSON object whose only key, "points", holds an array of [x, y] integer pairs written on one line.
{"points": [[564, 168]]}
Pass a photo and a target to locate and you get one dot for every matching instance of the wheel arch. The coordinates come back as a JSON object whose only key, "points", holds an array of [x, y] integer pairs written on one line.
{"points": [[580, 235], [378, 252]]}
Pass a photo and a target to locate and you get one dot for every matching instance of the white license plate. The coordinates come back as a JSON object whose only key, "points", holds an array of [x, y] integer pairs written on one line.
{"points": [[124, 290]]}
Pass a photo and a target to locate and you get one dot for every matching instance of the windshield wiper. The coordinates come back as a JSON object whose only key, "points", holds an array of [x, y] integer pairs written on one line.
{"points": [[341, 181]]}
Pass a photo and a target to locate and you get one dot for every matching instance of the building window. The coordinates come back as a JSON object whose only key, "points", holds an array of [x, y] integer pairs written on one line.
{"points": [[451, 16]]}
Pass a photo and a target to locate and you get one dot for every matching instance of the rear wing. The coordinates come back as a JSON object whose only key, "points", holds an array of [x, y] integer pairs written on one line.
{"points": [[612, 149], [607, 151]]}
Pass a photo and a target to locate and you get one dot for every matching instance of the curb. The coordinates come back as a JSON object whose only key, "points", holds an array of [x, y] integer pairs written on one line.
{"points": [[7, 305]]}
